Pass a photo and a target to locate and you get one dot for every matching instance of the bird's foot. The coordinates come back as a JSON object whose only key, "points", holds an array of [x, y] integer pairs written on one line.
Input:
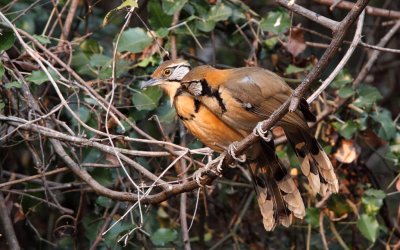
{"points": [[231, 150], [266, 135], [198, 175]]}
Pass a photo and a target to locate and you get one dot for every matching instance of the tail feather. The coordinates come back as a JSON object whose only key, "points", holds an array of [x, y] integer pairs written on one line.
{"points": [[272, 206], [277, 194], [267, 208], [314, 162]]}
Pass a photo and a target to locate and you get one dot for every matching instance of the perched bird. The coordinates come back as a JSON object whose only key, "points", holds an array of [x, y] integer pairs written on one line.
{"points": [[277, 194], [243, 97]]}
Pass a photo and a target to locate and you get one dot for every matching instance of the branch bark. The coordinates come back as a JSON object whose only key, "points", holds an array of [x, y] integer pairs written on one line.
{"points": [[373, 11], [324, 21], [7, 226]]}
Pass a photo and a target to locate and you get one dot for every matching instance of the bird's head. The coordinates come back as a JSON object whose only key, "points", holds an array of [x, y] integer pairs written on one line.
{"points": [[168, 76], [168, 73]]}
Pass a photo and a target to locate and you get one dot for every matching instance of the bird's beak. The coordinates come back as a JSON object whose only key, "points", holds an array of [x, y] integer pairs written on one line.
{"points": [[151, 82]]}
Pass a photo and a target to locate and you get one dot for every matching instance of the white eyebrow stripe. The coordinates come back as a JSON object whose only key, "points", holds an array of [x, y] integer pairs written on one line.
{"points": [[178, 64]]}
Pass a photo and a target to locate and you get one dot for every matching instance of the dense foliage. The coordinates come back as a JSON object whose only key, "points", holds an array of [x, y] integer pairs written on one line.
{"points": [[98, 57]]}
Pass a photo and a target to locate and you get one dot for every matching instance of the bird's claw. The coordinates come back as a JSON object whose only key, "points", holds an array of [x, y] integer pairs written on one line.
{"points": [[266, 135], [231, 150], [198, 175]]}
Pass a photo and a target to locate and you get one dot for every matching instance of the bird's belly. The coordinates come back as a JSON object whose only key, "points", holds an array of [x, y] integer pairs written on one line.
{"points": [[205, 125]]}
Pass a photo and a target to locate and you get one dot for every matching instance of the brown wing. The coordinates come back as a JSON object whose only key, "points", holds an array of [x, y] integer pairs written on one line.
{"points": [[251, 95]]}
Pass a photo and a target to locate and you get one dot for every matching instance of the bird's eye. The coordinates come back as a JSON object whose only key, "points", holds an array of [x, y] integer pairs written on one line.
{"points": [[167, 72]]}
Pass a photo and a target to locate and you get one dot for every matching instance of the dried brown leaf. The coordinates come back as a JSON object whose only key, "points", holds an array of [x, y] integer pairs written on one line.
{"points": [[296, 43], [347, 153]]}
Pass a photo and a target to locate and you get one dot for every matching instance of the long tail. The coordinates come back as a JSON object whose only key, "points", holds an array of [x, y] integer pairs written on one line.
{"points": [[315, 164], [277, 194]]}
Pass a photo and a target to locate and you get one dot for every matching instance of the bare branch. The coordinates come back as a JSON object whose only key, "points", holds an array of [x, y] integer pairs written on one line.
{"points": [[326, 22], [7, 226], [369, 9]]}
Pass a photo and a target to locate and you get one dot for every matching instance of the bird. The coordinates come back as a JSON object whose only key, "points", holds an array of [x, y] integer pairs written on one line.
{"points": [[244, 97], [278, 197]]}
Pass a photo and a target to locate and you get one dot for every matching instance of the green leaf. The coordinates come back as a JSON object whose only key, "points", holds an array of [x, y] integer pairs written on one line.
{"points": [[291, 69], [312, 216], [163, 236], [84, 113], [146, 62], [368, 227], [219, 12], [368, 95], [346, 91], [122, 67], [91, 224], [348, 129], [162, 32], [277, 22], [92, 155], [157, 17], [114, 233], [372, 201], [170, 7], [166, 113], [90, 46], [100, 60], [387, 130], [270, 43], [238, 15], [134, 40], [2, 105], [103, 176], [342, 79], [2, 71], [39, 76], [132, 4], [7, 39], [13, 84], [147, 99], [205, 25], [103, 201], [338, 204], [42, 39]]}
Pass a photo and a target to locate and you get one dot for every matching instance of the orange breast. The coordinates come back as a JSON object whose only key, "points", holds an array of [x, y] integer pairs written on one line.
{"points": [[204, 125]]}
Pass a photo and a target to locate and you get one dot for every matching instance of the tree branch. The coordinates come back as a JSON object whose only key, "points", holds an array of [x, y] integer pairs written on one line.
{"points": [[373, 11], [324, 21], [7, 226]]}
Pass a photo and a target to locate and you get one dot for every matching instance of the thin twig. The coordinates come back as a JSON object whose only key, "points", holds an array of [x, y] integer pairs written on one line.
{"points": [[369, 9], [374, 55], [104, 226], [68, 21], [29, 178], [342, 63], [322, 231], [338, 237], [324, 21], [7, 226], [50, 204]]}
